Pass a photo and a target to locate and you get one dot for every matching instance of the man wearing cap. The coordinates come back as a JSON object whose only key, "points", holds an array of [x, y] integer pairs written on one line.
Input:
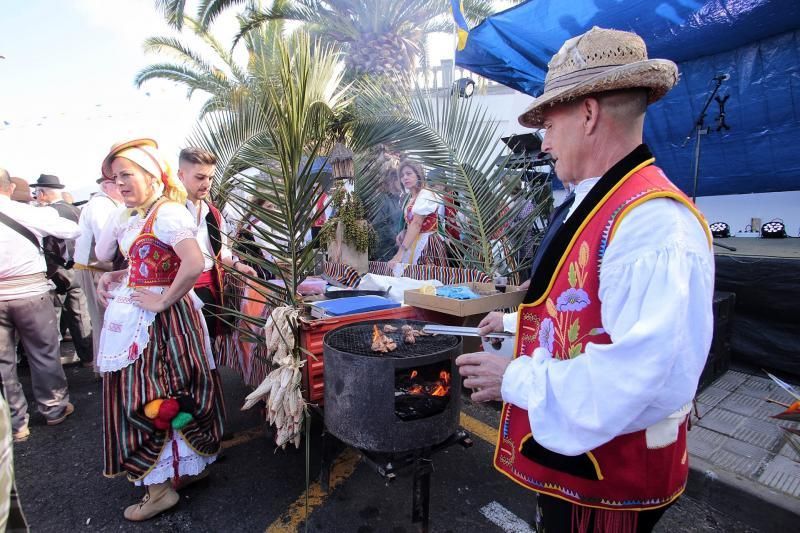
{"points": [[26, 309], [196, 171], [94, 216], [617, 320], [59, 255]]}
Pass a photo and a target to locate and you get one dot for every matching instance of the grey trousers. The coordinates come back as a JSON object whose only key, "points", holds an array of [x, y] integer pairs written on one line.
{"points": [[34, 320], [88, 280], [76, 313]]}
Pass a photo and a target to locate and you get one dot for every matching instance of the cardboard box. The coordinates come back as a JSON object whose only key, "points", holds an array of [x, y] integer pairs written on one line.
{"points": [[450, 306]]}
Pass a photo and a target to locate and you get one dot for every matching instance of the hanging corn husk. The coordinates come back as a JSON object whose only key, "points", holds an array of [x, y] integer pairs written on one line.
{"points": [[281, 388]]}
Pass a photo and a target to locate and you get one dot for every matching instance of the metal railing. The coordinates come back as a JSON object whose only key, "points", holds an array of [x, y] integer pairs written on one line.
{"points": [[443, 75]]}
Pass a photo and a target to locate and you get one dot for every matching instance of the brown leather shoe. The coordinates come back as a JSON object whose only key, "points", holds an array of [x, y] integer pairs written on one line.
{"points": [[23, 434], [157, 499], [68, 410]]}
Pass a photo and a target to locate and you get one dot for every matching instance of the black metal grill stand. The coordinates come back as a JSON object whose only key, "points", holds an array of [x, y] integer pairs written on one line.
{"points": [[388, 465]]}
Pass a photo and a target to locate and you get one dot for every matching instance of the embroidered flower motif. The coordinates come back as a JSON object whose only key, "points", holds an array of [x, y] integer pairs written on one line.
{"points": [[165, 266], [572, 299], [143, 251], [143, 270], [547, 335]]}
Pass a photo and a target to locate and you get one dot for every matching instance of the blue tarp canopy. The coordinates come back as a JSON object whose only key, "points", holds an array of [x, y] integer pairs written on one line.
{"points": [[755, 42]]}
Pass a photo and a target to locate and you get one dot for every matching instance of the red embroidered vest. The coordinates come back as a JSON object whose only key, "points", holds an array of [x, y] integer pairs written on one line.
{"points": [[622, 474], [151, 262], [215, 236]]}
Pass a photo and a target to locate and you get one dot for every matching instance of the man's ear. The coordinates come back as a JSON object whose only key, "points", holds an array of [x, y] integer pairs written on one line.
{"points": [[590, 111], [12, 189]]}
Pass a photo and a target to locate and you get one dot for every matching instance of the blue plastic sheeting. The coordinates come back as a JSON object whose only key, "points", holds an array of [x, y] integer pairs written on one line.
{"points": [[756, 42]]}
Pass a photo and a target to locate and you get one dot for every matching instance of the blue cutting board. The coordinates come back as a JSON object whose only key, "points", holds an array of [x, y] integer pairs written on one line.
{"points": [[355, 304]]}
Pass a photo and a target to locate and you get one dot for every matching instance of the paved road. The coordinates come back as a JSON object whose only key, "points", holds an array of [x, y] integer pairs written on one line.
{"points": [[253, 487]]}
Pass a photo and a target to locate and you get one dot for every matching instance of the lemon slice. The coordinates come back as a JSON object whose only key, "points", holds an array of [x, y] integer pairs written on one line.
{"points": [[429, 290]]}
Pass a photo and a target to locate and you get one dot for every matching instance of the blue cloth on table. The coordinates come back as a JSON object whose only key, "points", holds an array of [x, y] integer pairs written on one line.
{"points": [[458, 292]]}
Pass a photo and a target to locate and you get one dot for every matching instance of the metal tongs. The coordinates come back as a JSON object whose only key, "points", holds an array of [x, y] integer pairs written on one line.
{"points": [[437, 329]]}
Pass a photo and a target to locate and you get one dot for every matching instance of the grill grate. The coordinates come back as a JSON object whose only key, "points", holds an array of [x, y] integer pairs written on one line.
{"points": [[357, 339]]}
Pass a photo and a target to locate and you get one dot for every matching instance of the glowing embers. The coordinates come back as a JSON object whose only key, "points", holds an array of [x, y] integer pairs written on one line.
{"points": [[422, 392]]}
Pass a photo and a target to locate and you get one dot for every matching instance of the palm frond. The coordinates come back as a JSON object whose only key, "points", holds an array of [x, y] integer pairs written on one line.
{"points": [[458, 137], [187, 76], [276, 135], [173, 11], [209, 10]]}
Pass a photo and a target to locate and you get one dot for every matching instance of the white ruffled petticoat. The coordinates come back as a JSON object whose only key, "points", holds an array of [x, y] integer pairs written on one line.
{"points": [[189, 463]]}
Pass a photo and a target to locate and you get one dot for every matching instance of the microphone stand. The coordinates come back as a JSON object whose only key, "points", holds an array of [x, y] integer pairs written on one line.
{"points": [[698, 130]]}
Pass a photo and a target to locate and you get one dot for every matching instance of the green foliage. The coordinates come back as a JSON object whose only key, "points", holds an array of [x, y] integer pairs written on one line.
{"points": [[278, 135], [459, 139], [350, 212]]}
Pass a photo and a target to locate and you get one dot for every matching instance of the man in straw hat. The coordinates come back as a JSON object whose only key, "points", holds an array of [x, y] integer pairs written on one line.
{"points": [[617, 322], [95, 215]]}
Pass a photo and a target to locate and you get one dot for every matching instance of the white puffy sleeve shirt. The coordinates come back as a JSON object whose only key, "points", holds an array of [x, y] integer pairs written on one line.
{"points": [[656, 293], [427, 202], [95, 215]]}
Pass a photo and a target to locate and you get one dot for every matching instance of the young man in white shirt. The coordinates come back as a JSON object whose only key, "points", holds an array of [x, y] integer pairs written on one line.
{"points": [[196, 169], [26, 309], [617, 321], [94, 216]]}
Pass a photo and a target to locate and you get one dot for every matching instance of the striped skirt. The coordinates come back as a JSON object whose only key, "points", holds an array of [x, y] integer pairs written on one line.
{"points": [[173, 364]]}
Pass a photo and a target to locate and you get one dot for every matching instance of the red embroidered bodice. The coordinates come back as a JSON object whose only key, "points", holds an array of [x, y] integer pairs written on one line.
{"points": [[152, 262], [623, 474]]}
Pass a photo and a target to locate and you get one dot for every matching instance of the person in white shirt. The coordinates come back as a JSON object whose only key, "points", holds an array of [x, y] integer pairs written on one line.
{"points": [[97, 212], [26, 309], [196, 171], [617, 321]]}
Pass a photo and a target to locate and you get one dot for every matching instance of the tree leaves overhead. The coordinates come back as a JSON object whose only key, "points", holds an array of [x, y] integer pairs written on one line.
{"points": [[276, 138], [381, 37]]}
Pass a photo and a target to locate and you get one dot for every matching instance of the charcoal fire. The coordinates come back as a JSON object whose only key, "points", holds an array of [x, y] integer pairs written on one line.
{"points": [[382, 342], [417, 397]]}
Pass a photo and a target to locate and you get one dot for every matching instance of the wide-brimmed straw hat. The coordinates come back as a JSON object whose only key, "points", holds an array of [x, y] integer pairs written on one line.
{"points": [[597, 61], [119, 147]]}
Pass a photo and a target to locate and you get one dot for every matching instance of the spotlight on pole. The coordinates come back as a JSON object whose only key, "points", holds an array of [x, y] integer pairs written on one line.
{"points": [[464, 87]]}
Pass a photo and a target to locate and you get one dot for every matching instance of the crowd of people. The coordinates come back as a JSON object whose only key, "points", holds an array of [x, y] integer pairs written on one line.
{"points": [[138, 274], [612, 335]]}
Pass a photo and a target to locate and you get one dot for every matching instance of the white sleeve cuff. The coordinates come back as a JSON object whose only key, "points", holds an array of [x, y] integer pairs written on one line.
{"points": [[517, 382], [510, 322]]}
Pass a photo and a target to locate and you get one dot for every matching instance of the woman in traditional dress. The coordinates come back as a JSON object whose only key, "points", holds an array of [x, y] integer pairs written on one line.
{"points": [[162, 404], [420, 243]]}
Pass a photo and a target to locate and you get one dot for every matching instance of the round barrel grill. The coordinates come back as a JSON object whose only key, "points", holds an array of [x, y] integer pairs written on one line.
{"points": [[403, 400]]}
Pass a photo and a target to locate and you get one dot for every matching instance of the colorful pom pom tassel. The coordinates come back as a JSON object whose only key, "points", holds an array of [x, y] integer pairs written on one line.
{"points": [[168, 409], [152, 408], [180, 420]]}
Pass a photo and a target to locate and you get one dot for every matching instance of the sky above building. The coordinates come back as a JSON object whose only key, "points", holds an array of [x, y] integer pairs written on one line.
{"points": [[67, 92]]}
